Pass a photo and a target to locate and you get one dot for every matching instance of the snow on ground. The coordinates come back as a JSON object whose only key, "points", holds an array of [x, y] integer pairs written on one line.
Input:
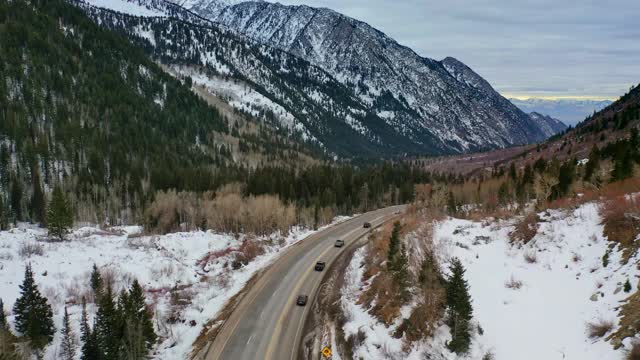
{"points": [[125, 7], [566, 288], [158, 262]]}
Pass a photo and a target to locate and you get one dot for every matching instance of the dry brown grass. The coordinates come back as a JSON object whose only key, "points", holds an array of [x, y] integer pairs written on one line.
{"points": [[513, 283], [525, 229], [621, 219], [629, 314], [598, 329], [381, 295], [634, 352]]}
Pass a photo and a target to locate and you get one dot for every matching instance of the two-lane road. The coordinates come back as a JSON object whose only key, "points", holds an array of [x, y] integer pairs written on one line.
{"points": [[267, 324]]}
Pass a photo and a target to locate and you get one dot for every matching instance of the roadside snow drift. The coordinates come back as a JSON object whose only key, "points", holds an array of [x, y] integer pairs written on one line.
{"points": [[166, 266]]}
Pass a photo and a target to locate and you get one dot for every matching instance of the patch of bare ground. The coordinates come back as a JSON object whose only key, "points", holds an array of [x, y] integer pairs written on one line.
{"points": [[629, 313]]}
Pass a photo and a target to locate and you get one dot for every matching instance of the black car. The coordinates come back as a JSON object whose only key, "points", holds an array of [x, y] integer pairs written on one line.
{"points": [[302, 300], [366, 225], [339, 243], [320, 266]]}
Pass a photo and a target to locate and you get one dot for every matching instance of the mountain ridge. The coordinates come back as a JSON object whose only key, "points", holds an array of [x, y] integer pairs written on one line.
{"points": [[430, 106]]}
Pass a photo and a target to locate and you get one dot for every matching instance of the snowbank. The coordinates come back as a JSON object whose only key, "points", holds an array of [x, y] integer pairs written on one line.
{"points": [[160, 263], [564, 284], [564, 287]]}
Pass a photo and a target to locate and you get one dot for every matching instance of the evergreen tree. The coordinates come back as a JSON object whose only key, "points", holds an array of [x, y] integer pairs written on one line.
{"points": [[593, 164], [16, 199], [401, 273], [627, 286], [68, 345], [4, 216], [7, 339], [59, 215], [394, 244], [34, 318], [459, 309], [565, 179], [139, 335], [90, 350], [3, 317], [452, 207], [108, 327], [96, 282], [623, 164], [38, 206]]}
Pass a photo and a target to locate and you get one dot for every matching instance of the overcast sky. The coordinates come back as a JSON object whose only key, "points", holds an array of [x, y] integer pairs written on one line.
{"points": [[537, 48]]}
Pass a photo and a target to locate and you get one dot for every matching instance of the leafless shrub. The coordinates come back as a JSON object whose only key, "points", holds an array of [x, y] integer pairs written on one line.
{"points": [[599, 328], [29, 249], [513, 283], [6, 256], [525, 230], [249, 250], [222, 280], [576, 258], [163, 270], [74, 292], [109, 276], [53, 295], [531, 257]]}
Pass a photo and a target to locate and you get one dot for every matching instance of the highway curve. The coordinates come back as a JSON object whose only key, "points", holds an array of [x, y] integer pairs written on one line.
{"points": [[267, 324]]}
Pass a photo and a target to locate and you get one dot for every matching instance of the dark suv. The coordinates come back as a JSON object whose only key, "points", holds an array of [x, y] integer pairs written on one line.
{"points": [[320, 266], [366, 225], [339, 243], [302, 300]]}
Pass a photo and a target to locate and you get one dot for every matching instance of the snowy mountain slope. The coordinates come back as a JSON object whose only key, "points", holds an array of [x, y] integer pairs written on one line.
{"points": [[382, 94], [445, 95], [550, 126], [292, 92]]}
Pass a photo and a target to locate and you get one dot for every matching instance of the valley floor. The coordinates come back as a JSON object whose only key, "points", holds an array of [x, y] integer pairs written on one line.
{"points": [[188, 277]]}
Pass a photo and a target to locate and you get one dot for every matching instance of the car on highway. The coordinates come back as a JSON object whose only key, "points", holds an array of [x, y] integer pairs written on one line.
{"points": [[366, 225], [320, 265], [302, 300], [339, 243]]}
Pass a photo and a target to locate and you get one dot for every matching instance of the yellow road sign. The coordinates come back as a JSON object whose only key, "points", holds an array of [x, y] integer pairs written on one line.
{"points": [[326, 352]]}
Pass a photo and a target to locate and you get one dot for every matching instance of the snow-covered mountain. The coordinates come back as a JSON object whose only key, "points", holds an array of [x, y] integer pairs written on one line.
{"points": [[570, 111], [549, 125], [341, 82]]}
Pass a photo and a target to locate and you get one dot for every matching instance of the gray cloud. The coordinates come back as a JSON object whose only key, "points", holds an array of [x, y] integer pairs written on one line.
{"points": [[522, 47]]}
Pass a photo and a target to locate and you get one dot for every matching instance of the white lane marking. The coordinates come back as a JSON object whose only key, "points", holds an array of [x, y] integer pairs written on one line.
{"points": [[250, 338]]}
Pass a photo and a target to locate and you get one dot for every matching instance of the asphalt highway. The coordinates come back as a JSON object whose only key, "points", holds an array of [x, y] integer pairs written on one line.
{"points": [[267, 323]]}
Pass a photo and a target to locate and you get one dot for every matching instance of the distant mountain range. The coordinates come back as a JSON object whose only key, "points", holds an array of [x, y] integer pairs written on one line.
{"points": [[569, 111], [332, 79]]}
